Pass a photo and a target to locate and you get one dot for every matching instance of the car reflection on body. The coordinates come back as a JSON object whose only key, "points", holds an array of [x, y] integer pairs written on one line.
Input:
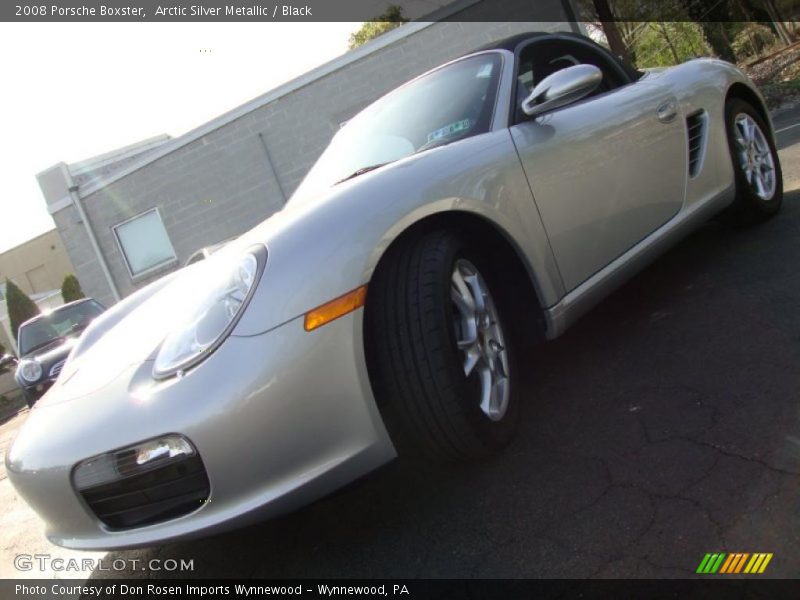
{"points": [[487, 203]]}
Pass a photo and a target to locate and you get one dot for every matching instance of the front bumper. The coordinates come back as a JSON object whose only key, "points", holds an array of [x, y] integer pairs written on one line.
{"points": [[279, 420], [33, 392]]}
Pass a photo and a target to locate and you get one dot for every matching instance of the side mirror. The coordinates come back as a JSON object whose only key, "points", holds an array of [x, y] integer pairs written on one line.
{"points": [[561, 88]]}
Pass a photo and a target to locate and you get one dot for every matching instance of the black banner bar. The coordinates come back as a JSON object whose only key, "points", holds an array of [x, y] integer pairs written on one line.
{"points": [[366, 10], [445, 589]]}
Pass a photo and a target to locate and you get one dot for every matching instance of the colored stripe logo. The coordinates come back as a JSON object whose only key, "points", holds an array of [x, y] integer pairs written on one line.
{"points": [[735, 562]]}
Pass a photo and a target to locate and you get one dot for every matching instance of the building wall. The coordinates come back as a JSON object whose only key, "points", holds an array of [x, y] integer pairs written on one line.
{"points": [[39, 265], [223, 184]]}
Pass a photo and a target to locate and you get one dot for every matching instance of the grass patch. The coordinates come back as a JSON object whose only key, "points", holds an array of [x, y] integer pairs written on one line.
{"points": [[777, 93]]}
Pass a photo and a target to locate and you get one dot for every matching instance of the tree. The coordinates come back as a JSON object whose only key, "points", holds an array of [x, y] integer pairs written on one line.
{"points": [[712, 21], [391, 18], [611, 31], [20, 307], [669, 43], [71, 289]]}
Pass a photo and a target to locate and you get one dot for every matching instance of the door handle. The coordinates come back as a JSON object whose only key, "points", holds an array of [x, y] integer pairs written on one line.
{"points": [[667, 111]]}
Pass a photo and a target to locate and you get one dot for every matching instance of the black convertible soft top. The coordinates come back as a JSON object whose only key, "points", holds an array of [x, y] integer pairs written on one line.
{"points": [[515, 42]]}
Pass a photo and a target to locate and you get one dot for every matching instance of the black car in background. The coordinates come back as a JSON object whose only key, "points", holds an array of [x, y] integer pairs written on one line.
{"points": [[45, 341]]}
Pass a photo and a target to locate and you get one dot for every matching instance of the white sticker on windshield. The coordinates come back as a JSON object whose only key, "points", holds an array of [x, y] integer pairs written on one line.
{"points": [[449, 130], [485, 71]]}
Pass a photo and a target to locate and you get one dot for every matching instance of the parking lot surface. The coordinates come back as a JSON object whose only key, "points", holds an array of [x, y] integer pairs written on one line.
{"points": [[664, 425]]}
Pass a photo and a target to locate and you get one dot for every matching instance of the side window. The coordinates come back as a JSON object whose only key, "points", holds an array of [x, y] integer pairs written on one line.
{"points": [[540, 59]]}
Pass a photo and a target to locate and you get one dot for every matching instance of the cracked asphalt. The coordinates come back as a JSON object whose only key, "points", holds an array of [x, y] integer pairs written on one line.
{"points": [[664, 425]]}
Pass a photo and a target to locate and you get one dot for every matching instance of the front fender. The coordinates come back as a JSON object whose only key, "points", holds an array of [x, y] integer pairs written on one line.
{"points": [[327, 247]]}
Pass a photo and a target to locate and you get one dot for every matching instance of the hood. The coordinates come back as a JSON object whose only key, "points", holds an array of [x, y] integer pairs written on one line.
{"points": [[50, 354]]}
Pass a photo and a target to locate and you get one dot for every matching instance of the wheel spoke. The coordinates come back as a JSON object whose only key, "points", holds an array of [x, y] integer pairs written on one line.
{"points": [[759, 183], [461, 289], [740, 125], [466, 326], [486, 390], [463, 305], [743, 161], [478, 296], [471, 358], [499, 397], [751, 129]]}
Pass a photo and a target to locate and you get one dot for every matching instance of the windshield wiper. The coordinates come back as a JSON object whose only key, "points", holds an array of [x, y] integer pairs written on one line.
{"points": [[361, 171]]}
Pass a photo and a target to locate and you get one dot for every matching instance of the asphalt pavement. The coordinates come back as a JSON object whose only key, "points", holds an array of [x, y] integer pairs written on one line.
{"points": [[663, 426]]}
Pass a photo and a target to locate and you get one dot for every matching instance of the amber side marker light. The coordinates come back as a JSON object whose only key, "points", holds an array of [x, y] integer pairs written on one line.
{"points": [[338, 307]]}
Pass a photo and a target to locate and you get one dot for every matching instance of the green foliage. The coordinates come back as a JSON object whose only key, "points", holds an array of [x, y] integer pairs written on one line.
{"points": [[71, 289], [752, 40], [392, 17], [669, 43], [20, 307]]}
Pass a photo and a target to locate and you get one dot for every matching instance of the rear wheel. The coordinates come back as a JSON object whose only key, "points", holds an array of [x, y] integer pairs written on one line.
{"points": [[440, 358], [757, 168]]}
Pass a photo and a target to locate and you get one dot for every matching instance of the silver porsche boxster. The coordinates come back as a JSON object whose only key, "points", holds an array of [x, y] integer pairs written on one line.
{"points": [[484, 205]]}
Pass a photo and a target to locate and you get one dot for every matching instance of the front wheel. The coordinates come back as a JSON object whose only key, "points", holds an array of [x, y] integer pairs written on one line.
{"points": [[440, 359], [756, 166]]}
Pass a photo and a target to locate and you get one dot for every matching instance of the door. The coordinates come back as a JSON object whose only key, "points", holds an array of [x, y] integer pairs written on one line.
{"points": [[605, 172]]}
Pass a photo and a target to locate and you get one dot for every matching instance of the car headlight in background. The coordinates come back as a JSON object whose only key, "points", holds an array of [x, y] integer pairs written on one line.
{"points": [[212, 315], [30, 370]]}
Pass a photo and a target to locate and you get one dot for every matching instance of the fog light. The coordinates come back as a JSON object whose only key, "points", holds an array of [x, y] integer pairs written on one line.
{"points": [[131, 461], [165, 448]]}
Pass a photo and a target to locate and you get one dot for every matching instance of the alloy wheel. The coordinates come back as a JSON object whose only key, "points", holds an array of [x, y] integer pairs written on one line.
{"points": [[480, 338], [755, 156]]}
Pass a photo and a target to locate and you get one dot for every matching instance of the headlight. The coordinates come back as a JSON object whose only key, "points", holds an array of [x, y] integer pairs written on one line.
{"points": [[30, 370], [212, 314]]}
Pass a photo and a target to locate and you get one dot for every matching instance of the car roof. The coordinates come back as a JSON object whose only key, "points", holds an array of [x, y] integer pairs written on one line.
{"points": [[55, 310], [512, 42], [515, 42]]}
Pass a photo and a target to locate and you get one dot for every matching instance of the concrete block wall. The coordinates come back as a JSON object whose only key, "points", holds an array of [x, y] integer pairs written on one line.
{"points": [[221, 184]]}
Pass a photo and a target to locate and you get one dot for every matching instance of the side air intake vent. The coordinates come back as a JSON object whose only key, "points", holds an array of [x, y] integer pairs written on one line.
{"points": [[696, 129]]}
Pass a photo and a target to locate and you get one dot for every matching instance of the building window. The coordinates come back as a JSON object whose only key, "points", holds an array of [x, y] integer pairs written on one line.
{"points": [[144, 243]]}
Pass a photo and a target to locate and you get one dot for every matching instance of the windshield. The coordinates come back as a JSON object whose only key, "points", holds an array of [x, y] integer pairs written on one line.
{"points": [[58, 324], [449, 104]]}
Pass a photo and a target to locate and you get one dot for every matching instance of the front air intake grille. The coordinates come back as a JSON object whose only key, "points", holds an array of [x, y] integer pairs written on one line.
{"points": [[156, 495], [696, 129], [55, 371]]}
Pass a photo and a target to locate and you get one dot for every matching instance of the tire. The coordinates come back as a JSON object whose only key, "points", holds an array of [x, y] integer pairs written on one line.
{"points": [[418, 372], [759, 195]]}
